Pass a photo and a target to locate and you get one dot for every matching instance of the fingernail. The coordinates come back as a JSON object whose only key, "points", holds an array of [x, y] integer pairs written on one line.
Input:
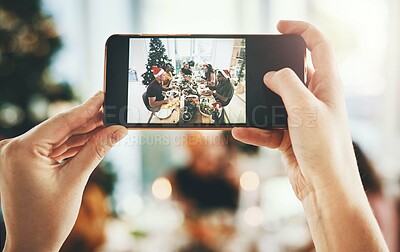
{"points": [[98, 93], [118, 135], [268, 76]]}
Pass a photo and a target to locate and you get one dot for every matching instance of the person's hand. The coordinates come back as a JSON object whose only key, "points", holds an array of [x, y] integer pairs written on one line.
{"points": [[317, 148], [318, 131], [43, 174]]}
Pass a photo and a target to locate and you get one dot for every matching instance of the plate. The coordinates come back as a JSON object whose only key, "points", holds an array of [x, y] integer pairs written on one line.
{"points": [[203, 93], [207, 104], [173, 93], [164, 113]]}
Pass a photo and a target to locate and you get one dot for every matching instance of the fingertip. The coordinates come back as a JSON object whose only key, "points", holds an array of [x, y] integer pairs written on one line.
{"points": [[118, 134], [268, 76], [98, 93], [236, 132], [98, 96], [280, 25]]}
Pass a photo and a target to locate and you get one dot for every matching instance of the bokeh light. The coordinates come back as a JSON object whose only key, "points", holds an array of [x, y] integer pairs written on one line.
{"points": [[10, 115], [249, 181], [162, 188]]}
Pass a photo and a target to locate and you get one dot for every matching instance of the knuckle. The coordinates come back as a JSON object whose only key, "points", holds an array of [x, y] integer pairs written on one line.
{"points": [[85, 138], [11, 147], [63, 117], [101, 150], [88, 111], [3, 143]]}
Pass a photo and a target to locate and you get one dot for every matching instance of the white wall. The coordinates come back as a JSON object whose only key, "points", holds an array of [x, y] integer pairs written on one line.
{"points": [[223, 53], [138, 56]]}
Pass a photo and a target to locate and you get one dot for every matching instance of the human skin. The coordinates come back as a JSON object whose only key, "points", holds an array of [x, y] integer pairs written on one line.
{"points": [[152, 100], [318, 155], [41, 194]]}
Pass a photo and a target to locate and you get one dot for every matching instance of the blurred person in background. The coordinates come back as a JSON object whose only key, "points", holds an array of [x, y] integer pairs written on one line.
{"points": [[208, 191], [88, 232], [384, 207]]}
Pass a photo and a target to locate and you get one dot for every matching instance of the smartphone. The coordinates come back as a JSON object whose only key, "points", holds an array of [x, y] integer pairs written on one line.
{"points": [[197, 81]]}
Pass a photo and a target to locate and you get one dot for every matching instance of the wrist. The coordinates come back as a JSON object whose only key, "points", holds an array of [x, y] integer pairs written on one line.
{"points": [[27, 246], [337, 213]]}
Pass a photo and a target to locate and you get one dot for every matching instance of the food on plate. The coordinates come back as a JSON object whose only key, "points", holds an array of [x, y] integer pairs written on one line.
{"points": [[173, 93], [206, 92], [206, 108], [192, 99]]}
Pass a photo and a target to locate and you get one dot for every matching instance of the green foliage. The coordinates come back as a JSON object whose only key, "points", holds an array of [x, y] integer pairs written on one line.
{"points": [[28, 41], [157, 57]]}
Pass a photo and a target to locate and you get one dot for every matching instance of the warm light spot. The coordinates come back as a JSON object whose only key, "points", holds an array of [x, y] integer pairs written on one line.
{"points": [[162, 188], [253, 216], [249, 181]]}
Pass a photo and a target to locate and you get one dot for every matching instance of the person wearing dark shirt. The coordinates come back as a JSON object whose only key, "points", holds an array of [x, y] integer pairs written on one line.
{"points": [[153, 97], [223, 91], [207, 188], [185, 70]]}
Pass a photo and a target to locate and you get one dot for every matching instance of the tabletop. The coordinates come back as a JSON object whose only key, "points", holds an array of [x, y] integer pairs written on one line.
{"points": [[185, 97]]}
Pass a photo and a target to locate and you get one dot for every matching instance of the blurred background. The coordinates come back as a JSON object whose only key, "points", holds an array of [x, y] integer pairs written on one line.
{"points": [[51, 59]]}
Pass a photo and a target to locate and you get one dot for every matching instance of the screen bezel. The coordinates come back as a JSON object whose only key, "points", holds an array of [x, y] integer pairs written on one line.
{"points": [[116, 64]]}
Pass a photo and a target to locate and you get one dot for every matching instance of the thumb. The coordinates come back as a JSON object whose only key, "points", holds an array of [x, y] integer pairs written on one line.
{"points": [[289, 87], [91, 154]]}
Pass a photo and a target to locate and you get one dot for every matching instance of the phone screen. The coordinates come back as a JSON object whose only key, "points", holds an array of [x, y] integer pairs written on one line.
{"points": [[197, 81], [187, 81]]}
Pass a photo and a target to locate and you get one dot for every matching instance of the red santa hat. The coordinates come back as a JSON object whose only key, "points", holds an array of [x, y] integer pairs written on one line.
{"points": [[157, 71], [225, 73]]}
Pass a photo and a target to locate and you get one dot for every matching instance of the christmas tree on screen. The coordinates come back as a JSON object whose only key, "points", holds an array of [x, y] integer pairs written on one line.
{"points": [[28, 42], [157, 57]]}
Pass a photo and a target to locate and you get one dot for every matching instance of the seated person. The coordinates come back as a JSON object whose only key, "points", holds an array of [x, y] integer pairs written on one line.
{"points": [[153, 97], [223, 91], [185, 70], [209, 75], [168, 77]]}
